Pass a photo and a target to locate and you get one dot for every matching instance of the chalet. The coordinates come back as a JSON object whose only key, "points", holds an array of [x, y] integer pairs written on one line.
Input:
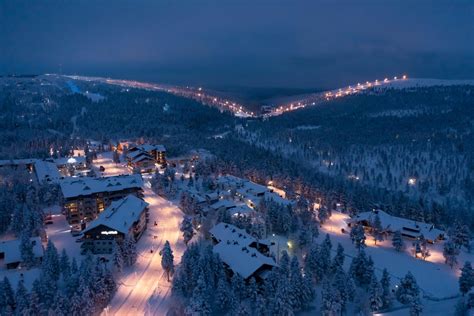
{"points": [[157, 152], [123, 218], [409, 228], [10, 251], [224, 232], [240, 252], [84, 198]]}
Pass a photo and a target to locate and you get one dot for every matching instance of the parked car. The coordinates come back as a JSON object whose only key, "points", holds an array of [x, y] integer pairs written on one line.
{"points": [[101, 169]]}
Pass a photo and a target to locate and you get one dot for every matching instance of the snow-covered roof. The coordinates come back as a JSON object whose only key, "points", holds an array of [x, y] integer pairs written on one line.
{"points": [[12, 249], [16, 162], [87, 186], [407, 227], [277, 198], [142, 158], [241, 259], [138, 153], [223, 203], [224, 232], [47, 172], [121, 214], [76, 160], [148, 148], [241, 209]]}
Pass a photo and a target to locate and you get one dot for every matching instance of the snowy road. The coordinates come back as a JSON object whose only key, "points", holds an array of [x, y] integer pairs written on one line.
{"points": [[143, 288]]}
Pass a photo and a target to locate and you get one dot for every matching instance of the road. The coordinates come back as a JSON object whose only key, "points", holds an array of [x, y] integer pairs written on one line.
{"points": [[212, 99], [143, 288]]}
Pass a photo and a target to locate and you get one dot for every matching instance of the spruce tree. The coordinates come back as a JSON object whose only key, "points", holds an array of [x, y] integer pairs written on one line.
{"points": [[386, 292], [187, 229], [450, 253], [167, 260], [466, 280], [397, 241], [22, 299], [408, 289], [375, 295]]}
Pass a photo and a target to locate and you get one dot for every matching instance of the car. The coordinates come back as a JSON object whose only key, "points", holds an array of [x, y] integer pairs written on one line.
{"points": [[101, 169], [103, 259]]}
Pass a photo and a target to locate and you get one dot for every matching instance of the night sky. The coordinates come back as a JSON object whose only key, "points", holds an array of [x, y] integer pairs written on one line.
{"points": [[307, 44]]}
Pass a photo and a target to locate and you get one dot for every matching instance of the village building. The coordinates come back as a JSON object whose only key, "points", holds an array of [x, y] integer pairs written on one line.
{"points": [[158, 152], [240, 252], [84, 198], [409, 228], [124, 218], [47, 172], [10, 252]]}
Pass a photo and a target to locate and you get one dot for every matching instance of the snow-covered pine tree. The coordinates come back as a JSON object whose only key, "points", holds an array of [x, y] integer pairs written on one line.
{"points": [[199, 302], [466, 280], [407, 289], [375, 295], [331, 301], [397, 241], [377, 229], [50, 263], [167, 259], [296, 290], [460, 236], [358, 236], [22, 299], [26, 249], [222, 296], [117, 257], [386, 292], [338, 260], [450, 253], [65, 265], [187, 229], [129, 251], [416, 308]]}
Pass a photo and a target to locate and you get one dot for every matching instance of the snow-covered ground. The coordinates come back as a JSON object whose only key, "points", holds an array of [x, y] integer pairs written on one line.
{"points": [[438, 282], [143, 288]]}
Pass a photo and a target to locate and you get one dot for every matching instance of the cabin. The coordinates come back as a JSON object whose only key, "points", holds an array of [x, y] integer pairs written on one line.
{"points": [[240, 252], [409, 228], [10, 251]]}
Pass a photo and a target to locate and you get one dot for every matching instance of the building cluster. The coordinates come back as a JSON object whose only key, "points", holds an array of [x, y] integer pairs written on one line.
{"points": [[50, 170], [409, 229], [141, 157], [240, 197], [241, 253]]}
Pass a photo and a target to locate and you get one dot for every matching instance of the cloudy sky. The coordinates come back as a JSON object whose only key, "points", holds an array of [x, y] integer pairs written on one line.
{"points": [[307, 44]]}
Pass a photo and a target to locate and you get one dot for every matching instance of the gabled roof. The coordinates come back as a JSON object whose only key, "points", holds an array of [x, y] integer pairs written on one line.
{"points": [[142, 158], [121, 214], [12, 249], [223, 203], [47, 172], [241, 259], [86, 186], [224, 232], [405, 226]]}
